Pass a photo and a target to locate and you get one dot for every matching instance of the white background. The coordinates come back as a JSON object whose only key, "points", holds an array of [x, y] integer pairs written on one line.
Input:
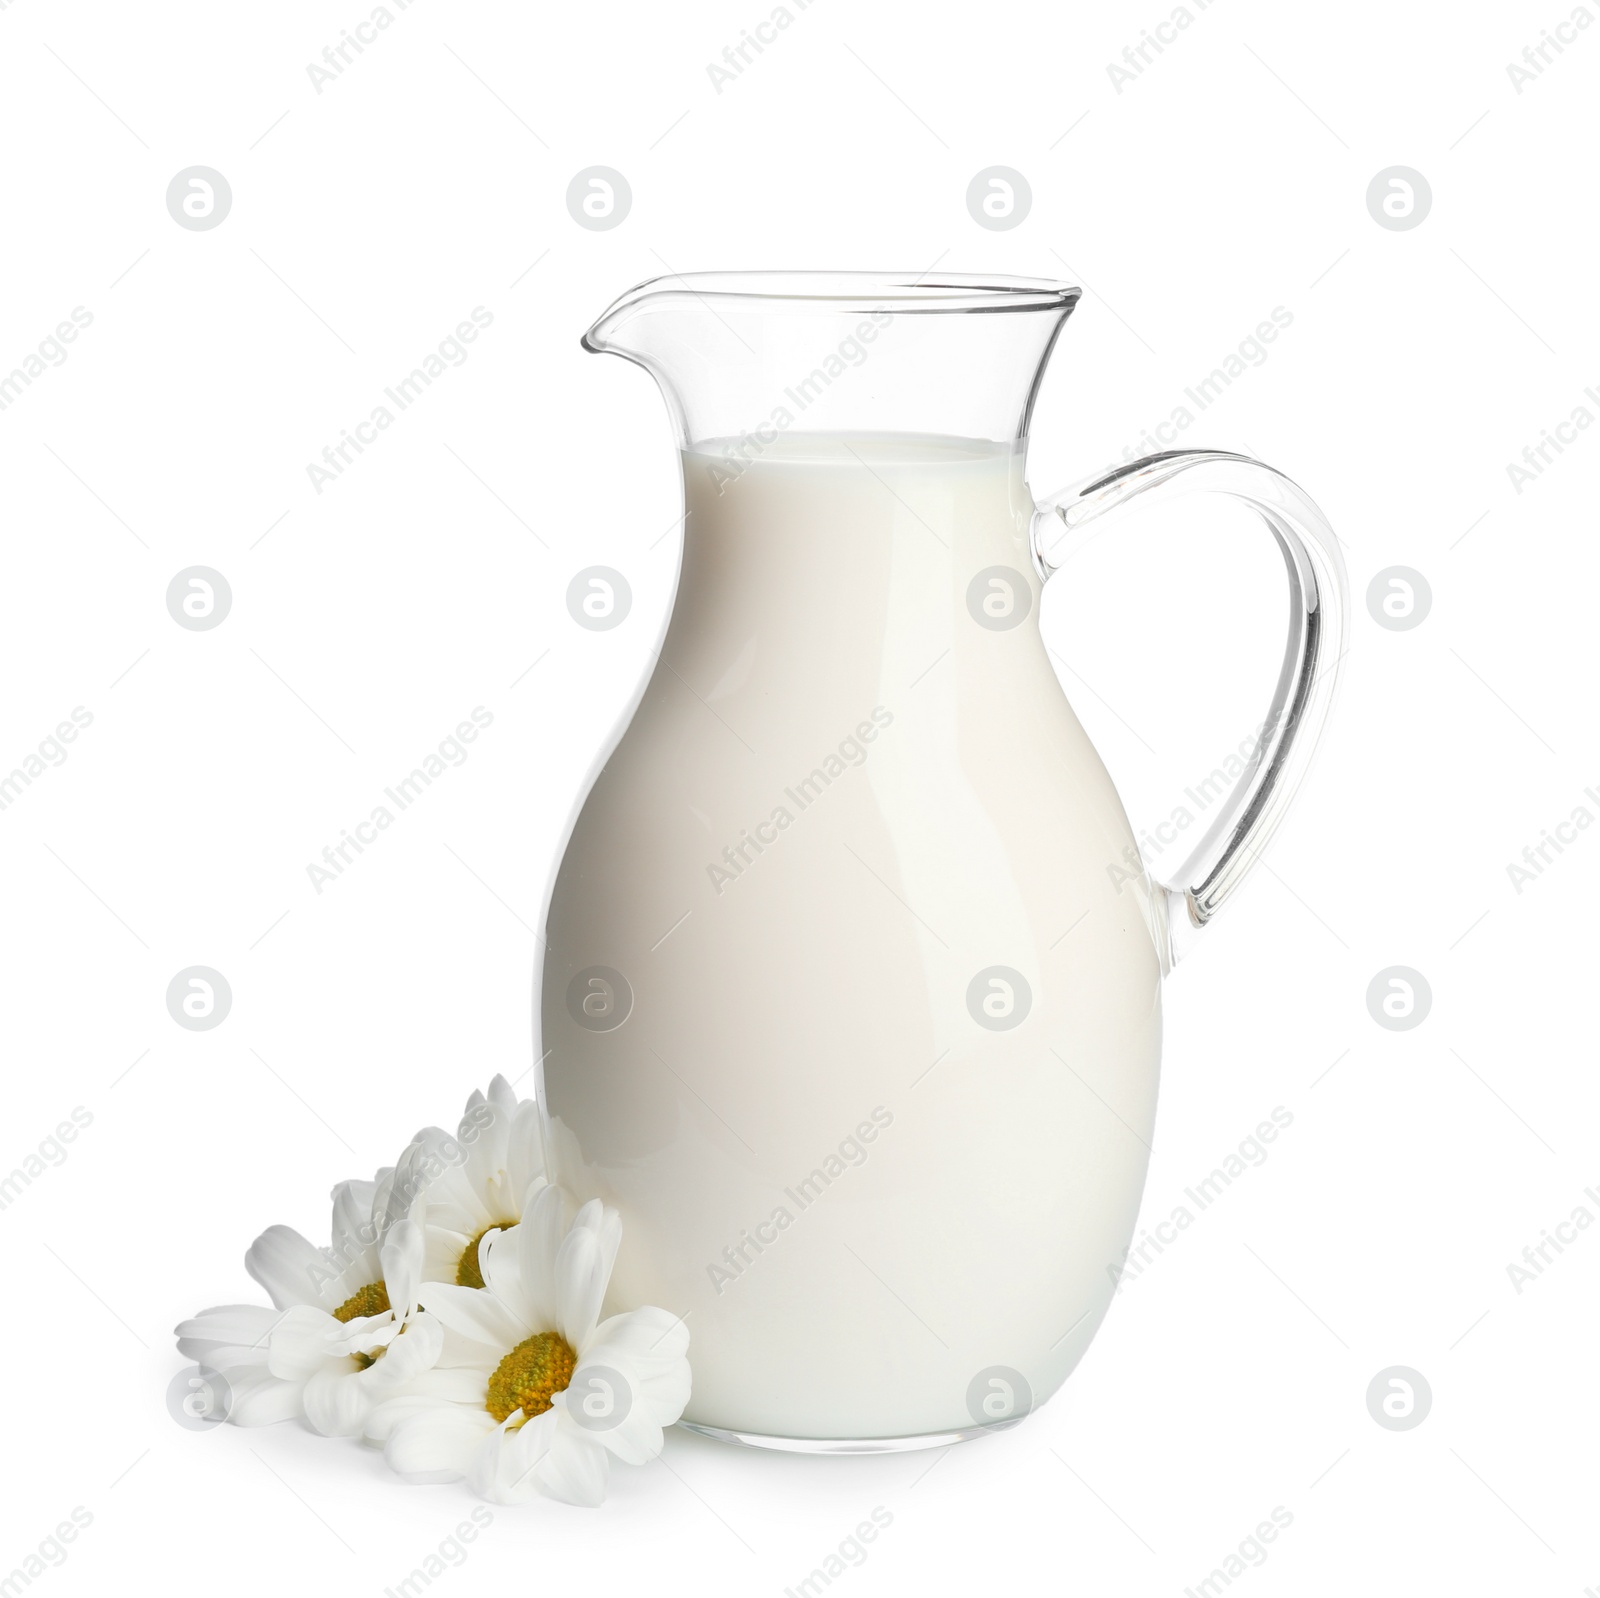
{"points": [[1228, 179]]}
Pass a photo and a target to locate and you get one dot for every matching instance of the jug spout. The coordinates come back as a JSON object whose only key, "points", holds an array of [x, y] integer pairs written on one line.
{"points": [[745, 353], [618, 330]]}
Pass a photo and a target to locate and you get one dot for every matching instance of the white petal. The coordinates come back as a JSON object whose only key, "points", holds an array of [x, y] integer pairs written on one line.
{"points": [[574, 1469], [475, 1315], [360, 1193], [443, 1250], [583, 1270], [235, 1366], [387, 1414], [263, 1400], [400, 1259], [504, 1468], [500, 1266], [410, 1354], [647, 1333], [407, 1184], [484, 1173], [336, 1402], [438, 1443], [440, 1174], [366, 1334], [631, 1381], [578, 1468], [479, 1247], [234, 1333], [461, 1384], [545, 1455], [391, 1202], [354, 1237], [234, 1362], [463, 1388], [290, 1268], [304, 1340], [537, 1243], [486, 1124], [618, 1422], [525, 1162]]}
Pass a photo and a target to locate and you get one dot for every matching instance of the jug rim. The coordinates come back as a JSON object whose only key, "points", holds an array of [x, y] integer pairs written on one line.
{"points": [[914, 293]]}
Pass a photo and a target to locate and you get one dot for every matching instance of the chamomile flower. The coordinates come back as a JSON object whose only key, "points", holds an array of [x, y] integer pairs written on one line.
{"points": [[332, 1345], [533, 1392], [461, 1188]]}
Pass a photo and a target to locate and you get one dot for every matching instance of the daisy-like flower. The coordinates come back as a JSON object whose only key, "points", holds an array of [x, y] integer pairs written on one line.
{"points": [[533, 1393], [462, 1188], [332, 1345]]}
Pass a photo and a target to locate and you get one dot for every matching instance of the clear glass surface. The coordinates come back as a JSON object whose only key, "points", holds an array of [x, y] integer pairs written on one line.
{"points": [[851, 996]]}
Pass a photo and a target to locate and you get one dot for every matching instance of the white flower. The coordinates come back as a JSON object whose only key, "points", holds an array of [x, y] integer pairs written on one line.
{"points": [[471, 1184], [331, 1347], [533, 1392], [232, 1340]]}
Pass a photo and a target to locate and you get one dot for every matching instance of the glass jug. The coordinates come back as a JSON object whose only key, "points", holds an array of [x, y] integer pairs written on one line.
{"points": [[851, 990]]}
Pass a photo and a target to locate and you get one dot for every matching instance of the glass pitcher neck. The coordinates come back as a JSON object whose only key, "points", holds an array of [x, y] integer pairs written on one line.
{"points": [[756, 354]]}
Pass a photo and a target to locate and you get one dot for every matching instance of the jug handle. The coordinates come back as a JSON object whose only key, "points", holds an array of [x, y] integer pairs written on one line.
{"points": [[1317, 621]]}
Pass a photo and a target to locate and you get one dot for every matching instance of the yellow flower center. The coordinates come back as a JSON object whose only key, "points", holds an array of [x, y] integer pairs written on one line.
{"points": [[373, 1299], [469, 1273], [530, 1375]]}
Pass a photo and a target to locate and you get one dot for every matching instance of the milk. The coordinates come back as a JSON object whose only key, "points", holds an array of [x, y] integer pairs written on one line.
{"points": [[868, 1164]]}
